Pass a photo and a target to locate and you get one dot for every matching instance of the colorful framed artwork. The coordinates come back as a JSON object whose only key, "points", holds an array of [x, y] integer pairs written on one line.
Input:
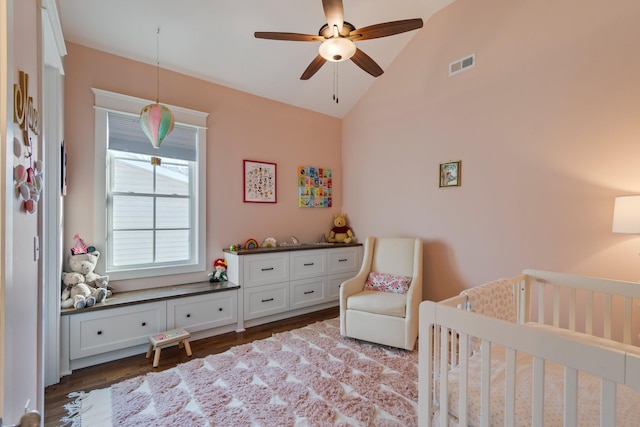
{"points": [[450, 174], [315, 187], [259, 182]]}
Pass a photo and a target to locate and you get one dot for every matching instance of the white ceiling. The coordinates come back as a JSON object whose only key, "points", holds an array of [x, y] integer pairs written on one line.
{"points": [[213, 40]]}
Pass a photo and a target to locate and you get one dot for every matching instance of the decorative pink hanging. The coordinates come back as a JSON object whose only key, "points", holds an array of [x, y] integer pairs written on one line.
{"points": [[157, 122]]}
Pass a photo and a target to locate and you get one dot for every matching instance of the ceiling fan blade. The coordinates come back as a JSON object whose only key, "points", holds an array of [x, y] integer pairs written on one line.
{"points": [[385, 29], [365, 62], [313, 67], [334, 13], [294, 37]]}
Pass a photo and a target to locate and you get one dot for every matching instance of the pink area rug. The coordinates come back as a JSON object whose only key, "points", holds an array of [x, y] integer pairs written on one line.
{"points": [[306, 377]]}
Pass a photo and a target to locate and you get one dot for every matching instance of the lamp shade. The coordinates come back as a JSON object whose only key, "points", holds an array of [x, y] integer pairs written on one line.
{"points": [[337, 49], [156, 121], [626, 215]]}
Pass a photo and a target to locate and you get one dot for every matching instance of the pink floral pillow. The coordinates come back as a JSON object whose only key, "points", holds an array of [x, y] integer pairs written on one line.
{"points": [[387, 283]]}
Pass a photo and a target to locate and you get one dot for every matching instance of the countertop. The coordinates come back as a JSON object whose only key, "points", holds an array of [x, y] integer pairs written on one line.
{"points": [[119, 299], [303, 246]]}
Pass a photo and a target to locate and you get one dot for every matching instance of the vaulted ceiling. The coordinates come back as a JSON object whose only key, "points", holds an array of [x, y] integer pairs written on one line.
{"points": [[214, 40]]}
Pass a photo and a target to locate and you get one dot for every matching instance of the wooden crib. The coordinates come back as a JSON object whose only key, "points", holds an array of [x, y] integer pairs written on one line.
{"points": [[538, 349]]}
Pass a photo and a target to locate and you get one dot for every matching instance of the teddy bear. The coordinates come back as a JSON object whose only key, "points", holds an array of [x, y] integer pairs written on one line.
{"points": [[85, 264], [77, 294], [340, 233]]}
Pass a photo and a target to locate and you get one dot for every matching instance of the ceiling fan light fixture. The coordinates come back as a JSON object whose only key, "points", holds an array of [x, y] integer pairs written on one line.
{"points": [[337, 49]]}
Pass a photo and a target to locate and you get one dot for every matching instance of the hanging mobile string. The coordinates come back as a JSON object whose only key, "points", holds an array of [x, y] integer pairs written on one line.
{"points": [[158, 66], [335, 82]]}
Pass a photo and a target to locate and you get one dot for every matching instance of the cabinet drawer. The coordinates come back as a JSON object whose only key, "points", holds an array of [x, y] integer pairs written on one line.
{"points": [[266, 300], [333, 285], [307, 292], [343, 260], [114, 329], [264, 269], [305, 264], [202, 312]]}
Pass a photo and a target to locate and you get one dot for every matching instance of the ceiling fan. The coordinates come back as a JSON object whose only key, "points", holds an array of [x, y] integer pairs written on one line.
{"points": [[338, 39]]}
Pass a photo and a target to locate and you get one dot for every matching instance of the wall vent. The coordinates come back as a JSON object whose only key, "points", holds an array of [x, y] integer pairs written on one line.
{"points": [[462, 64]]}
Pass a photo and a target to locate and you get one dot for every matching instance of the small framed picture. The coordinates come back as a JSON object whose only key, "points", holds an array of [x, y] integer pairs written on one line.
{"points": [[450, 174], [259, 182]]}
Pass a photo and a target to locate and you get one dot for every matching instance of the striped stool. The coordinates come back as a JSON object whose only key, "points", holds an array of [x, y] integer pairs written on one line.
{"points": [[157, 341]]}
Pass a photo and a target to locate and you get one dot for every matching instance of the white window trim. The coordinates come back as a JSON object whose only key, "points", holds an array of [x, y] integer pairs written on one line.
{"points": [[109, 101]]}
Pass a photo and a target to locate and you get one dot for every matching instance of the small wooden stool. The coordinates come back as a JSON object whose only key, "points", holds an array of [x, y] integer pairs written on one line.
{"points": [[157, 341]]}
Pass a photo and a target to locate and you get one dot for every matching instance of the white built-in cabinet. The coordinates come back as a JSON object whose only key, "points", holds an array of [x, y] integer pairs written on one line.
{"points": [[264, 285], [285, 282], [122, 327]]}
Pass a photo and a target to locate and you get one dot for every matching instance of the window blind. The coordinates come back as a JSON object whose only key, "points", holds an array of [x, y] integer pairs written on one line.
{"points": [[125, 134]]}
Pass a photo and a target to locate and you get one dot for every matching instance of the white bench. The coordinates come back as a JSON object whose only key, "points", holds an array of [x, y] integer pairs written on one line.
{"points": [[157, 341]]}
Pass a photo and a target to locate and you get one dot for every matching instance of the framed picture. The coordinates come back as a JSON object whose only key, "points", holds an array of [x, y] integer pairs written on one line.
{"points": [[259, 182], [450, 174]]}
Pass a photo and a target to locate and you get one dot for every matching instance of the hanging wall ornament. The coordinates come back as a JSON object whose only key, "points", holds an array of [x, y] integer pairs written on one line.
{"points": [[157, 122]]}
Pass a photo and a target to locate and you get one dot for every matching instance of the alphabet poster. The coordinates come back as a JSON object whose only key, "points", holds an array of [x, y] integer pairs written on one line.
{"points": [[315, 187]]}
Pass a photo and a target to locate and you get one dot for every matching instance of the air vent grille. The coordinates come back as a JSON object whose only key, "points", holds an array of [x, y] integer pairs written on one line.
{"points": [[462, 64]]}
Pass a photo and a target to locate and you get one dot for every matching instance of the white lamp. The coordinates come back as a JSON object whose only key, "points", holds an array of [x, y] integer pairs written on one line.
{"points": [[626, 215], [337, 49]]}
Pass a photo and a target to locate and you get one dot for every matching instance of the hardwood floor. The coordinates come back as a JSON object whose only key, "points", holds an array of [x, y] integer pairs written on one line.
{"points": [[102, 376]]}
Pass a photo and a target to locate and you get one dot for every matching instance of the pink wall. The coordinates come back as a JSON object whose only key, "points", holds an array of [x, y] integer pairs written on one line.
{"points": [[240, 126], [547, 126]]}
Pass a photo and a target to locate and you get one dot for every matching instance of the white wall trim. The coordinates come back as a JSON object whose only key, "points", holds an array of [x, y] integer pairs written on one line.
{"points": [[131, 104]]}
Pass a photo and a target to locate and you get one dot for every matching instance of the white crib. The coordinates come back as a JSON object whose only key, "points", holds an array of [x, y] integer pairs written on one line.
{"points": [[538, 349]]}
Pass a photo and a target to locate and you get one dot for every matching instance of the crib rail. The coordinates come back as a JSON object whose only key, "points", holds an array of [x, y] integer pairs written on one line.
{"points": [[595, 306], [446, 329]]}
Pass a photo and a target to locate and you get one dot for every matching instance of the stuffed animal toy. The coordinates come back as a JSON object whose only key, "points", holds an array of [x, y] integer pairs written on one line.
{"points": [[220, 271], [77, 294], [340, 233], [85, 264]]}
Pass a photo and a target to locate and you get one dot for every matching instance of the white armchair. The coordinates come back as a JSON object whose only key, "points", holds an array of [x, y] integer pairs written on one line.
{"points": [[386, 318]]}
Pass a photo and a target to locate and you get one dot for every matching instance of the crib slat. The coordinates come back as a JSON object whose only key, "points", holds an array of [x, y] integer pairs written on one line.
{"points": [[444, 373], [537, 416], [509, 388], [464, 372], [485, 379], [570, 397], [607, 403]]}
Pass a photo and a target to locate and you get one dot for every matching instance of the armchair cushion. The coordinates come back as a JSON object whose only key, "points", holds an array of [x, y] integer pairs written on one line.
{"points": [[384, 282], [386, 303]]}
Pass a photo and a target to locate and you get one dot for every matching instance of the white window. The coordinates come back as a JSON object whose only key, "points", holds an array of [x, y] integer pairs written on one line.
{"points": [[150, 219]]}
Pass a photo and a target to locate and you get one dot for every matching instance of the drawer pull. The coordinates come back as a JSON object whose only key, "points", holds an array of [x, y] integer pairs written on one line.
{"points": [[343, 260], [267, 269], [188, 315], [309, 292], [144, 323], [99, 332], [309, 264], [267, 300], [220, 309]]}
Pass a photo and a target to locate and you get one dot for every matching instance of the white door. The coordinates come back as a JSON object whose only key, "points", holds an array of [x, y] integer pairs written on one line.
{"points": [[21, 273]]}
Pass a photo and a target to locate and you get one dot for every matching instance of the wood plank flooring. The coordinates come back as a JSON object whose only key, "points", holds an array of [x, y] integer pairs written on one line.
{"points": [[102, 376]]}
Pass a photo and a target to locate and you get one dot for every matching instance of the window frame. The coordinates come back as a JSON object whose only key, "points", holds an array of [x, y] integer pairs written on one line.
{"points": [[109, 101]]}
